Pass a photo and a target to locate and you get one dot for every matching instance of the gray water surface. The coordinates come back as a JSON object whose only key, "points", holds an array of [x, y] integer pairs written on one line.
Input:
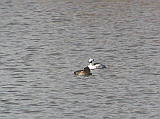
{"points": [[42, 42]]}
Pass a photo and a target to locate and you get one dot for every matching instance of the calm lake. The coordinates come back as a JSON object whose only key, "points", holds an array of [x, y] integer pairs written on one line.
{"points": [[42, 42]]}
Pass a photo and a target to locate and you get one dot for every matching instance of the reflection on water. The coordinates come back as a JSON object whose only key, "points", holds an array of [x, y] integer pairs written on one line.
{"points": [[43, 42]]}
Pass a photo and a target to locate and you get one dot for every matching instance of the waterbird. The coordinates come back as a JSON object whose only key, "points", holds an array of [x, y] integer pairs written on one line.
{"points": [[93, 65], [84, 72]]}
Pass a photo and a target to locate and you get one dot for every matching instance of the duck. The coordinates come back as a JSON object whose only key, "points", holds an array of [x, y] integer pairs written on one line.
{"points": [[84, 72], [95, 65]]}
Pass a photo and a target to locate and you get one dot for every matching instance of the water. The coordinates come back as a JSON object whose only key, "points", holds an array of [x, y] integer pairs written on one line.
{"points": [[43, 42]]}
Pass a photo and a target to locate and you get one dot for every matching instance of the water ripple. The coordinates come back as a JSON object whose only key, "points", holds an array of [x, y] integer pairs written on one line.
{"points": [[42, 43]]}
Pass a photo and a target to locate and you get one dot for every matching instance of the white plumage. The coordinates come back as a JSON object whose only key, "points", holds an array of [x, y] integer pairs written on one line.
{"points": [[95, 65]]}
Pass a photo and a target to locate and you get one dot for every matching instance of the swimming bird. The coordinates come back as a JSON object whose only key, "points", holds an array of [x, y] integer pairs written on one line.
{"points": [[84, 72], [95, 65]]}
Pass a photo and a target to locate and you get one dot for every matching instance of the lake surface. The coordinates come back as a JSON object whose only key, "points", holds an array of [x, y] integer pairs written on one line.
{"points": [[42, 42]]}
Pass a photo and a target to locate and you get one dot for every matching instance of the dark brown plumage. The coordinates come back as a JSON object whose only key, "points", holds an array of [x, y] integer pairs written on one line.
{"points": [[84, 72]]}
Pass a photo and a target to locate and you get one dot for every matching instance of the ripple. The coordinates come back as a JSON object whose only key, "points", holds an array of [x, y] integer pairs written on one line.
{"points": [[43, 43]]}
